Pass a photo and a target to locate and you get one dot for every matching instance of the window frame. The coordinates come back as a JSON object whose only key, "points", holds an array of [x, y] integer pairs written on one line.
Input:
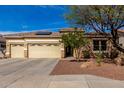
{"points": [[99, 45]]}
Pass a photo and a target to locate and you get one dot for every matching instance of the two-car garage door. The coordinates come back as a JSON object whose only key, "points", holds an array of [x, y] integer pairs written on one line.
{"points": [[36, 51], [44, 51]]}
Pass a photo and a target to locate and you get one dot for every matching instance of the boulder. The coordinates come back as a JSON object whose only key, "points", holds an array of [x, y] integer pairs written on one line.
{"points": [[85, 65], [119, 60]]}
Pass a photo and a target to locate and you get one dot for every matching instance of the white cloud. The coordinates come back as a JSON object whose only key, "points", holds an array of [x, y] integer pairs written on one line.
{"points": [[53, 7], [24, 26], [11, 32]]}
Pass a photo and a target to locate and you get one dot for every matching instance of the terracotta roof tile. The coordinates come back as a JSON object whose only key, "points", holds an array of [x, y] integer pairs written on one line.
{"points": [[52, 35], [32, 34], [122, 31]]}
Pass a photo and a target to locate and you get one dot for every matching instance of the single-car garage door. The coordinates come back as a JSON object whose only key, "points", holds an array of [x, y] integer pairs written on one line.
{"points": [[17, 51], [44, 51]]}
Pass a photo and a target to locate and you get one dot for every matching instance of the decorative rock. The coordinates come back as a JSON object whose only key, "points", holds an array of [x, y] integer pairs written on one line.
{"points": [[119, 60], [85, 65]]}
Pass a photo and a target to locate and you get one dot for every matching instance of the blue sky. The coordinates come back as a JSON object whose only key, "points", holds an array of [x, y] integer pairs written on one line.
{"points": [[30, 18]]}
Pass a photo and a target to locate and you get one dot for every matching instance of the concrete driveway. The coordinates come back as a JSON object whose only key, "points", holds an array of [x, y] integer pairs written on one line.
{"points": [[34, 73]]}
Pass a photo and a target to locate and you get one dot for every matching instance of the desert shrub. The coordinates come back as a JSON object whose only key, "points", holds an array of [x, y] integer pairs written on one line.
{"points": [[99, 59], [86, 54], [104, 55], [114, 54]]}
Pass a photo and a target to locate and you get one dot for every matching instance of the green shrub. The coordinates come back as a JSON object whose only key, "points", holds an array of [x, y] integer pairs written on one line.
{"points": [[98, 58], [86, 54], [104, 55], [114, 54]]}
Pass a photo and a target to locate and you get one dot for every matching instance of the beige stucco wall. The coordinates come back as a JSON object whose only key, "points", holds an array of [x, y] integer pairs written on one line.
{"points": [[27, 41], [121, 40]]}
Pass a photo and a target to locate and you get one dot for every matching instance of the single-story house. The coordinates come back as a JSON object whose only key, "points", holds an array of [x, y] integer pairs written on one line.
{"points": [[45, 44]]}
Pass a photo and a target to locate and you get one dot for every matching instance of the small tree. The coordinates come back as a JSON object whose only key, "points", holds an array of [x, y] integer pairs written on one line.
{"points": [[76, 41], [3, 51], [103, 19]]}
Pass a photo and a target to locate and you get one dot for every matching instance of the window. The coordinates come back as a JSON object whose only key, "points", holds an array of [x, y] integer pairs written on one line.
{"points": [[99, 45], [121, 44], [3, 46], [95, 45], [103, 45]]}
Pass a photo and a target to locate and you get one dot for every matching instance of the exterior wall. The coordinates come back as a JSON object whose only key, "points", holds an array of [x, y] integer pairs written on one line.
{"points": [[108, 49], [44, 41], [121, 40]]}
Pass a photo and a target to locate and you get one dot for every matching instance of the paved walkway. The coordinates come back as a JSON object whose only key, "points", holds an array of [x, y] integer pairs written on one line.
{"points": [[34, 73]]}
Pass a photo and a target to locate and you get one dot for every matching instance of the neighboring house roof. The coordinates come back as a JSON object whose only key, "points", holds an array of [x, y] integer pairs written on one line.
{"points": [[70, 30], [121, 31]]}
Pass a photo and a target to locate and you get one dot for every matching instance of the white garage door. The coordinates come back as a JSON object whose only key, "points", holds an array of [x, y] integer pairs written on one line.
{"points": [[44, 51], [17, 51]]}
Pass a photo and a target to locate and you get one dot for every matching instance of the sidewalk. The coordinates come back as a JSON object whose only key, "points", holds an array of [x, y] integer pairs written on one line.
{"points": [[66, 81], [84, 81]]}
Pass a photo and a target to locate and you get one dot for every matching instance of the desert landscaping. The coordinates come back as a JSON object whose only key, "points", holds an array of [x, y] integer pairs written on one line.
{"points": [[107, 70]]}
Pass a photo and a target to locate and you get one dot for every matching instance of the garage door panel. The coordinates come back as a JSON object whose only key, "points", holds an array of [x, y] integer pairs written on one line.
{"points": [[44, 51], [17, 51]]}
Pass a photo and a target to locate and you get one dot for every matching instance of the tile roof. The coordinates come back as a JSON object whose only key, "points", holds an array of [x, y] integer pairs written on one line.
{"points": [[53, 34], [32, 34], [70, 29], [95, 34], [122, 31]]}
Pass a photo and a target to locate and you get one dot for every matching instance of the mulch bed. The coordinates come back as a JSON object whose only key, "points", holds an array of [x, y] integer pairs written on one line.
{"points": [[108, 70]]}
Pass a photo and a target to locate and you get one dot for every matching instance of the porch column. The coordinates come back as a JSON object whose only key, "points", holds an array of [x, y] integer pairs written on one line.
{"points": [[109, 47], [25, 50], [91, 48], [8, 54], [62, 51]]}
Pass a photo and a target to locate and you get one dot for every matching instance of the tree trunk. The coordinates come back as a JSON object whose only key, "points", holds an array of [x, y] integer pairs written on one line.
{"points": [[118, 47], [77, 54], [115, 41], [91, 51], [3, 52]]}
